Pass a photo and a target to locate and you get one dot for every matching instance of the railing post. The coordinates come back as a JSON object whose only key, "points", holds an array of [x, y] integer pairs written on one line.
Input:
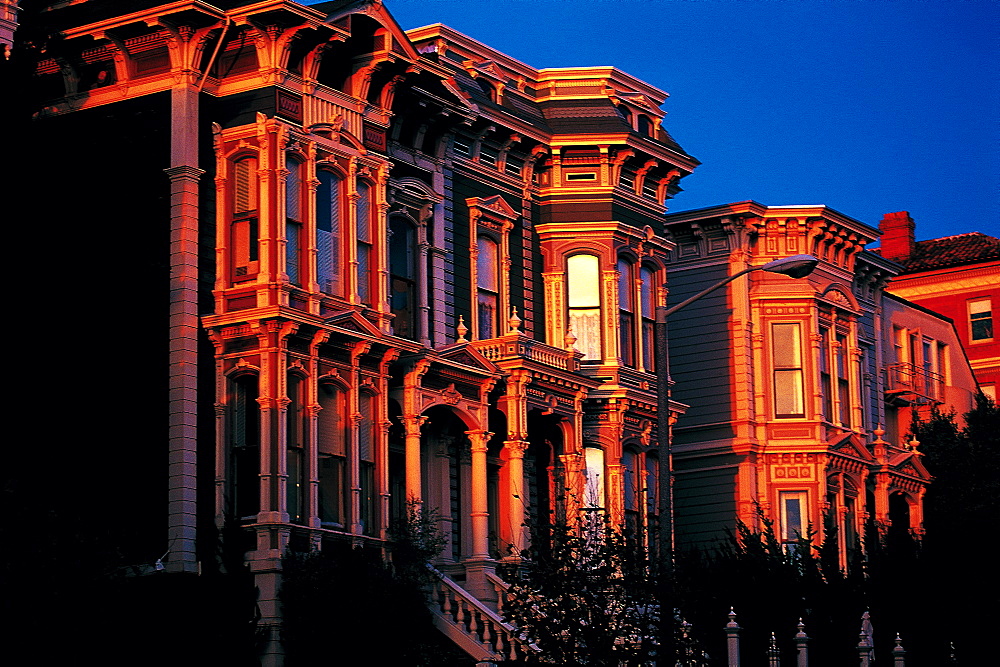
{"points": [[866, 644], [802, 644], [733, 639], [898, 653], [864, 650], [773, 654]]}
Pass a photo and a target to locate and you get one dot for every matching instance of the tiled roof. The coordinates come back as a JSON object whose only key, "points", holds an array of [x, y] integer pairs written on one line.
{"points": [[960, 250]]}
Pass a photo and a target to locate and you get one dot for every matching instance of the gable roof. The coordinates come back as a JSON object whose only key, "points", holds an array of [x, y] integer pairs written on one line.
{"points": [[960, 250]]}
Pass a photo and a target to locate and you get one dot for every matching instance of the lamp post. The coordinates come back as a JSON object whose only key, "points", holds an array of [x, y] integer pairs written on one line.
{"points": [[796, 266]]}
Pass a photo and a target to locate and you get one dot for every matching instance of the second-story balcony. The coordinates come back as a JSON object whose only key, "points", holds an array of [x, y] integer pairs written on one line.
{"points": [[909, 384]]}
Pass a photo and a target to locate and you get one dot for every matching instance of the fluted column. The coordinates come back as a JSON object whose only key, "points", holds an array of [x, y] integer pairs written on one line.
{"points": [[412, 424]]}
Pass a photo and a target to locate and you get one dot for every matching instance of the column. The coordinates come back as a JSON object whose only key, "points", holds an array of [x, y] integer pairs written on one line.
{"points": [[479, 564], [412, 424], [512, 495]]}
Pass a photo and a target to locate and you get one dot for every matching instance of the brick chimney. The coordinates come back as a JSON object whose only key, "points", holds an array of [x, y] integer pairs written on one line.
{"points": [[897, 236]]}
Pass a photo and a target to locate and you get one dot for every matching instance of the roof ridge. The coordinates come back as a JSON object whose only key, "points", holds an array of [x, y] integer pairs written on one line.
{"points": [[956, 236]]}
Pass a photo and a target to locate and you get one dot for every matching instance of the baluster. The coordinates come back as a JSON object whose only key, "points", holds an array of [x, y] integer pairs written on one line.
{"points": [[488, 635], [898, 653], [474, 622], [773, 654], [446, 600], [802, 644], [733, 639]]}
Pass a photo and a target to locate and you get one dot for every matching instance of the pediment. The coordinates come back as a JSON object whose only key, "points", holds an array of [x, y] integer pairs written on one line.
{"points": [[487, 67], [909, 463], [852, 446], [377, 11], [349, 320], [462, 353], [639, 100], [495, 205]]}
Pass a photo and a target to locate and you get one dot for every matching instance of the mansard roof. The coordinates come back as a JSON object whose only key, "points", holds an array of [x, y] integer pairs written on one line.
{"points": [[949, 251]]}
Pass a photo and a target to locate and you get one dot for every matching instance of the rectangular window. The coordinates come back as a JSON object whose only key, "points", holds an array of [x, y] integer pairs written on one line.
{"points": [[582, 176], [463, 146], [825, 381], [364, 243], [293, 251], [843, 384], [593, 494], [332, 448], [513, 166], [328, 271], [786, 352], [584, 297], [488, 156], [366, 456], [981, 319], [794, 512]]}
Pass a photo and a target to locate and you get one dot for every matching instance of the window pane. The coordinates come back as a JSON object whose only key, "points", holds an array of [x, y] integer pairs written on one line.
{"points": [[788, 393], [646, 293], [328, 233], [786, 345], [586, 325], [625, 285], [292, 252], [981, 319], [293, 190], [487, 264], [487, 315], [584, 281], [245, 188], [364, 212], [593, 494]]}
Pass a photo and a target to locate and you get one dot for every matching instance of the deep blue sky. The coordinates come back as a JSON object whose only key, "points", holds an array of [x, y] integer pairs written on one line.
{"points": [[865, 106]]}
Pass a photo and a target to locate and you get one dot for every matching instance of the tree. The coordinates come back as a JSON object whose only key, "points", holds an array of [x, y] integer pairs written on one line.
{"points": [[584, 593]]}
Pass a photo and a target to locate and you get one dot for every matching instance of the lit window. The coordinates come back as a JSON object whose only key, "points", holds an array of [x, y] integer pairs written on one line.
{"points": [[364, 242], [403, 277], [488, 277], [794, 523], [584, 293], [981, 319], [244, 230], [293, 222], [332, 448], [593, 493], [328, 232], [787, 354]]}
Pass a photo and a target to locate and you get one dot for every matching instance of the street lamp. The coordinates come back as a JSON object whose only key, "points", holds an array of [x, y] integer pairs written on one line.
{"points": [[796, 266]]}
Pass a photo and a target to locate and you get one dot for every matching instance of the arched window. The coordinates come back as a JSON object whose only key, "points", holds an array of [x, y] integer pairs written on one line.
{"points": [[329, 273], [293, 221], [295, 447], [488, 277], [624, 112], [244, 448], [244, 230], [626, 313], [403, 277], [364, 239], [332, 447], [584, 301], [647, 306]]}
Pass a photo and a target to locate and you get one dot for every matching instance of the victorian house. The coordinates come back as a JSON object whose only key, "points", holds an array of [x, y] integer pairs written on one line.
{"points": [[395, 267], [801, 391]]}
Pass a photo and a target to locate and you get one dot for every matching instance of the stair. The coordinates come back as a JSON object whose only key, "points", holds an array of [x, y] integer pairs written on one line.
{"points": [[471, 625]]}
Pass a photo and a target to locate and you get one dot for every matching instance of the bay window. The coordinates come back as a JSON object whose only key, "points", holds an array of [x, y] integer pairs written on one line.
{"points": [[364, 239], [244, 232], [626, 313], [329, 272], [332, 451], [293, 221], [403, 277]]}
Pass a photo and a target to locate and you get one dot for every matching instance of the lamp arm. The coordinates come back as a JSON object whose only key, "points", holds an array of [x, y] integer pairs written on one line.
{"points": [[721, 283]]}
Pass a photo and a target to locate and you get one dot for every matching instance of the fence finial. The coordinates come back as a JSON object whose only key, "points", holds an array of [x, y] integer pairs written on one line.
{"points": [[802, 645], [898, 653], [773, 654], [733, 639]]}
